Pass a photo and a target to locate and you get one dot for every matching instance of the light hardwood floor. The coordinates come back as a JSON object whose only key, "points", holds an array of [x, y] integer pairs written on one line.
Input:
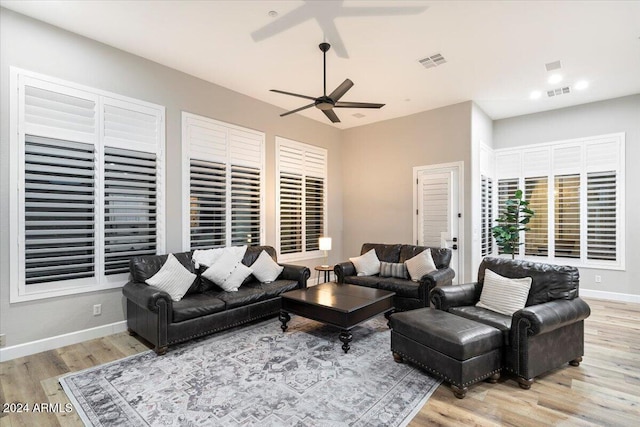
{"points": [[604, 390]]}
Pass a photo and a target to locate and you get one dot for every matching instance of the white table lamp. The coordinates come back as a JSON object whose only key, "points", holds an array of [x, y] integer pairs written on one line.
{"points": [[324, 244]]}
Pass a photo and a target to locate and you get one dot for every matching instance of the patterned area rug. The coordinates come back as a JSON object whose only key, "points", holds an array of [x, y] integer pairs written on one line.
{"points": [[257, 375]]}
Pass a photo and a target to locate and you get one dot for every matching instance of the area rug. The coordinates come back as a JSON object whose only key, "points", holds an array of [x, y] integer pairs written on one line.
{"points": [[257, 375]]}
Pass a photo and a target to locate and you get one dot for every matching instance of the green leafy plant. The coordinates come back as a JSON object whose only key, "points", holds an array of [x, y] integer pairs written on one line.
{"points": [[513, 220]]}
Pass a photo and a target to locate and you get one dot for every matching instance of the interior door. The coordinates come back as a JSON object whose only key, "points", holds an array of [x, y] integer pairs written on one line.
{"points": [[437, 210]]}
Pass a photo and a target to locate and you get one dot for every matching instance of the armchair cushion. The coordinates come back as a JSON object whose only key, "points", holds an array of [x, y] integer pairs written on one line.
{"points": [[499, 321], [502, 294]]}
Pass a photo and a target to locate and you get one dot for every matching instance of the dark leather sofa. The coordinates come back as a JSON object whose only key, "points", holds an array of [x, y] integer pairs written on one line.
{"points": [[545, 334], [409, 294], [205, 309]]}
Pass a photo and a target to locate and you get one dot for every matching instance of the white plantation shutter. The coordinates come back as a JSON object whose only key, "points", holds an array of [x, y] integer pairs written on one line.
{"points": [[506, 190], [301, 195], [486, 219], [59, 210], [537, 238], [130, 208], [567, 216], [602, 227], [89, 169], [226, 182], [434, 208]]}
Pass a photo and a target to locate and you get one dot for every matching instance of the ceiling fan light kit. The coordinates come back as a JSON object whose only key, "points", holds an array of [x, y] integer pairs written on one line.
{"points": [[325, 103]]}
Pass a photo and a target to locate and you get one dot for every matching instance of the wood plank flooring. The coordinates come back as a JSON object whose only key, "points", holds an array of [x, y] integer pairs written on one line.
{"points": [[604, 390]]}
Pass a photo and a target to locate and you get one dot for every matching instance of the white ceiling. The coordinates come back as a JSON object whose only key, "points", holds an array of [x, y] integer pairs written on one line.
{"points": [[495, 50]]}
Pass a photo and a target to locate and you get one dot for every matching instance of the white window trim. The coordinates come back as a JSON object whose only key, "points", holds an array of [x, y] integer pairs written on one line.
{"points": [[583, 262], [19, 292], [304, 255], [186, 178]]}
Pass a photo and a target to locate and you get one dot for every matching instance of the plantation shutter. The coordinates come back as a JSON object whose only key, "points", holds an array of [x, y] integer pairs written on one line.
{"points": [[434, 208], [601, 216], [486, 210], [506, 190], [225, 183], [537, 238], [59, 210], [291, 198], [315, 165], [567, 216], [130, 210]]}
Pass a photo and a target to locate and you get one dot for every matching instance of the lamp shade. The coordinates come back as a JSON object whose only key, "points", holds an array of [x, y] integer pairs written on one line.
{"points": [[324, 243]]}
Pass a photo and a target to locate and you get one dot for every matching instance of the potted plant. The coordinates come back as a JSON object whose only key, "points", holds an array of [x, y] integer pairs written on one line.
{"points": [[513, 220]]}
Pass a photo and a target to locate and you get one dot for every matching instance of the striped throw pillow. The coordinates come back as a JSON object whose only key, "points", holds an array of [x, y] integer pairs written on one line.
{"points": [[420, 265], [503, 295], [394, 269], [172, 278]]}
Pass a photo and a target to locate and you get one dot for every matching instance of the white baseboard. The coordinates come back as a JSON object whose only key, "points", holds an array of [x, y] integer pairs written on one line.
{"points": [[611, 296], [45, 344]]}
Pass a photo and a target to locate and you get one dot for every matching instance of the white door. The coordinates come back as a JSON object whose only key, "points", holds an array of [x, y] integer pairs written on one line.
{"points": [[438, 210]]}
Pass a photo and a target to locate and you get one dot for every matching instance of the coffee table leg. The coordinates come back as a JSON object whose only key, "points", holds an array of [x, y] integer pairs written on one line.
{"points": [[284, 318], [346, 337]]}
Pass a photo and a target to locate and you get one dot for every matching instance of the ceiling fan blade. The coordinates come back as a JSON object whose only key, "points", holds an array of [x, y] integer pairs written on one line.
{"points": [[293, 94], [357, 105], [332, 116], [297, 109], [341, 90]]}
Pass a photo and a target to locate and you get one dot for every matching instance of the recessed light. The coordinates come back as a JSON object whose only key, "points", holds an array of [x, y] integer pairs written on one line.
{"points": [[582, 84], [273, 13], [554, 78], [535, 94]]}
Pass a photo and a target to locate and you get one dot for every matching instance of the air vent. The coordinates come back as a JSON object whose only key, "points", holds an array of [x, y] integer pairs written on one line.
{"points": [[358, 115], [432, 61], [560, 91], [555, 65]]}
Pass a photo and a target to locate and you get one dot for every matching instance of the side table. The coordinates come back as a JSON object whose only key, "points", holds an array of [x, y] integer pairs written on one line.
{"points": [[327, 272]]}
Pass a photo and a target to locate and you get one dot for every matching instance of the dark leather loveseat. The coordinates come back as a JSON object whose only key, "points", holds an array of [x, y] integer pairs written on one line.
{"points": [[152, 314], [545, 334], [409, 294]]}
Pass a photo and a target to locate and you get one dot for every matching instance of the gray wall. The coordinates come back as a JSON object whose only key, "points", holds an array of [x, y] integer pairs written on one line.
{"points": [[378, 173], [598, 118], [42, 48]]}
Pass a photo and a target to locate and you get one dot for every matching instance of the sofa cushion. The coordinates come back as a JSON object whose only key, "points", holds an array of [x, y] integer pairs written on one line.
{"points": [[502, 294], [402, 287], [275, 288], [420, 265], [488, 317], [173, 278], [196, 305], [394, 269], [244, 296], [548, 281], [384, 252], [367, 264]]}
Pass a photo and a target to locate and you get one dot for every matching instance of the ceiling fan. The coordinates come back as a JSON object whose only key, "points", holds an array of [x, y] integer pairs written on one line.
{"points": [[328, 103]]}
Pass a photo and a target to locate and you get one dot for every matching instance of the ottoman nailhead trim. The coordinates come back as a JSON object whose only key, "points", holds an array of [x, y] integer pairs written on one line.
{"points": [[444, 377]]}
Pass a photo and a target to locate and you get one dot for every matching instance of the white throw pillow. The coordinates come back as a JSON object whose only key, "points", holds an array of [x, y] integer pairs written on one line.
{"points": [[206, 257], [420, 265], [237, 276], [223, 268], [265, 269], [503, 295], [367, 264], [172, 278]]}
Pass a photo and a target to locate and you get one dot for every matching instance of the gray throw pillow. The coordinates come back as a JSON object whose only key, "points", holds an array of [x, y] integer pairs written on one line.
{"points": [[394, 269]]}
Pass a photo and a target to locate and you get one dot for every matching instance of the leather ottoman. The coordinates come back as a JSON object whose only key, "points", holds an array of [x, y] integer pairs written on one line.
{"points": [[458, 350]]}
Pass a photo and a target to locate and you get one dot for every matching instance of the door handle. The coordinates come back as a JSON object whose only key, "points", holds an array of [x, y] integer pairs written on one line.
{"points": [[454, 247], [455, 239]]}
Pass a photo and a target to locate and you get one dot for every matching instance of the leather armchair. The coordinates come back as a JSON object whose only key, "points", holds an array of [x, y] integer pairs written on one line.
{"points": [[546, 333]]}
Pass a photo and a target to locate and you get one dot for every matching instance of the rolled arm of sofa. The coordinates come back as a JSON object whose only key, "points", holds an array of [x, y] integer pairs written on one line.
{"points": [[299, 273], [543, 318], [146, 296], [441, 277], [344, 269], [443, 298]]}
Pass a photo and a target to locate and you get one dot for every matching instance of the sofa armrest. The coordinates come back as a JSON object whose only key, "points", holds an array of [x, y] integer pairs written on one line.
{"points": [[443, 298], [344, 269], [542, 318], [298, 273], [146, 296], [441, 277]]}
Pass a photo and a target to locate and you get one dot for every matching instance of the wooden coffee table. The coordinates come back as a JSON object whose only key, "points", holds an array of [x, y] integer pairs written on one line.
{"points": [[341, 305]]}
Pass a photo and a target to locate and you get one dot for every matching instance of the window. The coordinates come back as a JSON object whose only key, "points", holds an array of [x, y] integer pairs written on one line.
{"points": [[224, 181], [301, 198], [576, 190], [87, 165], [506, 189], [486, 220]]}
